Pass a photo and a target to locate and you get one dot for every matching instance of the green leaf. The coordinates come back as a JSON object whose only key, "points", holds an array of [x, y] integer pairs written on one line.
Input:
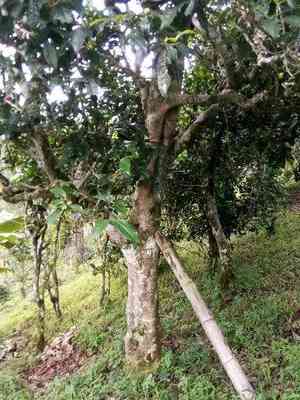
{"points": [[106, 197], [54, 217], [167, 18], [291, 3], [174, 40], [190, 8], [59, 192], [126, 229], [78, 37], [100, 226], [50, 55], [12, 225], [76, 208], [120, 207], [4, 270], [7, 245], [63, 15], [294, 21], [172, 54], [8, 242], [125, 165], [272, 27]]}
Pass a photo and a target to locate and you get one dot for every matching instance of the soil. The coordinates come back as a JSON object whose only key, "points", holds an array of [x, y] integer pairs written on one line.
{"points": [[294, 202], [60, 358]]}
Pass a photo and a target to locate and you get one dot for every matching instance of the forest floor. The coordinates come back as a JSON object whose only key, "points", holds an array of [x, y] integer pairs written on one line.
{"points": [[259, 319]]}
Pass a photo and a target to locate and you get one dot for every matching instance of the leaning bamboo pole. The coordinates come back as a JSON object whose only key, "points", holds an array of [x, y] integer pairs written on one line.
{"points": [[212, 330]]}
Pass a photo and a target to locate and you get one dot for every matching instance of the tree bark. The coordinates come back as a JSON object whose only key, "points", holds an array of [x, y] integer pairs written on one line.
{"points": [[103, 285], [213, 332], [53, 290], [39, 295], [53, 282], [142, 342], [224, 250], [213, 250]]}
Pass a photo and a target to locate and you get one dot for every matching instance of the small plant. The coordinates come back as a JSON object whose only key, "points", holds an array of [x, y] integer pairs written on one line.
{"points": [[4, 294], [11, 389]]}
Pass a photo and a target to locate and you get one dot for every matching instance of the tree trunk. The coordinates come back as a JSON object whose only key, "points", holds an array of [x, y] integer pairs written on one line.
{"points": [[102, 253], [36, 225], [213, 332], [142, 338], [39, 295], [56, 297], [103, 285], [142, 342], [213, 251], [53, 283], [224, 249]]}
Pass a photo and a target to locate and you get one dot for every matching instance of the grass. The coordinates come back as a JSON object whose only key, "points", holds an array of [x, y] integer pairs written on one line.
{"points": [[255, 320]]}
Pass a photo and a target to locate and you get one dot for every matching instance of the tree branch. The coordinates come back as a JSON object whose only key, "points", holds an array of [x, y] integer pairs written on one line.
{"points": [[17, 194], [206, 116], [225, 97], [201, 120], [44, 155], [113, 61]]}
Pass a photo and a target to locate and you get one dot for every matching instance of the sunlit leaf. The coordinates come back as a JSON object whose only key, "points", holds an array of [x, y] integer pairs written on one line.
{"points": [[76, 208], [8, 242], [59, 192], [175, 39], [126, 229], [54, 217], [125, 165], [100, 226], [12, 225]]}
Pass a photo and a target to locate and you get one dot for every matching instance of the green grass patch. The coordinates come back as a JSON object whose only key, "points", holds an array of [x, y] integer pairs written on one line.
{"points": [[256, 322]]}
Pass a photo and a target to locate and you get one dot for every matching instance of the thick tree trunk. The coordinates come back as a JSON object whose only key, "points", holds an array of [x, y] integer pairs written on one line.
{"points": [[142, 342], [142, 338], [224, 250], [213, 332]]}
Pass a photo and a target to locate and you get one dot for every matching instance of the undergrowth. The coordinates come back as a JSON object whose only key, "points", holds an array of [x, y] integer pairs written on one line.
{"points": [[255, 318]]}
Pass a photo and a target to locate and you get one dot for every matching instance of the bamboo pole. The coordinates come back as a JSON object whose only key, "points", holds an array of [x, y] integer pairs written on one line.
{"points": [[212, 330]]}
